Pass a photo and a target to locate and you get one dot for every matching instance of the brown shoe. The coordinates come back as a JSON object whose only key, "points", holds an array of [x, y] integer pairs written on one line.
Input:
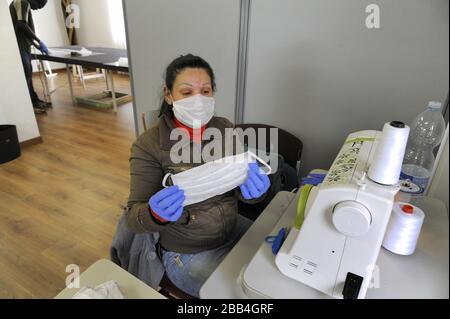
{"points": [[43, 104], [39, 110]]}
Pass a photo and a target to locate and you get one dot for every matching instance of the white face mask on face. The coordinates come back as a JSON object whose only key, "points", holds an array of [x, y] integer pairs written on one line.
{"points": [[214, 178], [197, 109]]}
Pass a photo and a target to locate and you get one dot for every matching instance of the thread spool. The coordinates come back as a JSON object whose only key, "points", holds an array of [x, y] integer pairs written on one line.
{"points": [[387, 161], [403, 230]]}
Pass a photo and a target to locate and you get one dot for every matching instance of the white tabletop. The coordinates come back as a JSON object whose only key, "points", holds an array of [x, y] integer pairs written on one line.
{"points": [[224, 283], [105, 270], [425, 274]]}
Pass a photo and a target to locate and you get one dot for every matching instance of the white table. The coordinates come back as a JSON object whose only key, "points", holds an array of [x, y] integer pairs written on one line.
{"points": [[425, 274], [105, 270]]}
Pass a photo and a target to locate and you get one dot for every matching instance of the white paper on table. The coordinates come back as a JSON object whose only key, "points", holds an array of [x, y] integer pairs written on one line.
{"points": [[68, 52], [107, 290]]}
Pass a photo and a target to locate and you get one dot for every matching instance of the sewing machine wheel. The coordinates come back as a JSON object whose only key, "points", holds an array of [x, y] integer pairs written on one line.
{"points": [[351, 218]]}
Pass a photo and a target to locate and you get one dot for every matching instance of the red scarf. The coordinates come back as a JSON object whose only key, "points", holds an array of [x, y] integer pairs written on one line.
{"points": [[197, 137]]}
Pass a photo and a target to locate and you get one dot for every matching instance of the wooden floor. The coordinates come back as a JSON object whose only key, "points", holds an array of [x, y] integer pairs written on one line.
{"points": [[60, 201]]}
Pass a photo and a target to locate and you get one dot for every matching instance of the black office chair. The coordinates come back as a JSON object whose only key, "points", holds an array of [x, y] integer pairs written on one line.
{"points": [[169, 290], [287, 175]]}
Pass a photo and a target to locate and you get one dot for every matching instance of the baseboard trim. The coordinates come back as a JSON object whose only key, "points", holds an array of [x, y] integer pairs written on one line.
{"points": [[33, 141]]}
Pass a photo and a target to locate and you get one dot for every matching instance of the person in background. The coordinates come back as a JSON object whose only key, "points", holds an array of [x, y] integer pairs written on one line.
{"points": [[195, 238], [26, 37]]}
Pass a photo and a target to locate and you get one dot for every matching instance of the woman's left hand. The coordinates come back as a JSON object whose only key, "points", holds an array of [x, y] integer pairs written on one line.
{"points": [[257, 183]]}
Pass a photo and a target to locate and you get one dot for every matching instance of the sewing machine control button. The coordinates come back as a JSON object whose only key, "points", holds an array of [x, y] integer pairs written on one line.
{"points": [[351, 218], [352, 286]]}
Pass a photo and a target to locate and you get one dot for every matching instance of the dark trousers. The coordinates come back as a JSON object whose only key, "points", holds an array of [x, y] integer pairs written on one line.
{"points": [[28, 68]]}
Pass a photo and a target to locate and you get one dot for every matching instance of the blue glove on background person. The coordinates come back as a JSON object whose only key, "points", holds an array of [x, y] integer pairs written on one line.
{"points": [[43, 47], [256, 184], [168, 204]]}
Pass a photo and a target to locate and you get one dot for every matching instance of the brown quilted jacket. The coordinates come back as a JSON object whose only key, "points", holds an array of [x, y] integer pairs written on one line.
{"points": [[202, 226]]}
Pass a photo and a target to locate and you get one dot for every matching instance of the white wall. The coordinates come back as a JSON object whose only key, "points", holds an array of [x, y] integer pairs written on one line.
{"points": [[94, 23], [50, 27], [316, 71], [161, 30], [3, 119], [95, 26], [15, 105], [439, 185]]}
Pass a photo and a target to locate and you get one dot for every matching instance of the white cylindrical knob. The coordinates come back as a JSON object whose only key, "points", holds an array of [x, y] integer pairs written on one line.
{"points": [[351, 218], [388, 157]]}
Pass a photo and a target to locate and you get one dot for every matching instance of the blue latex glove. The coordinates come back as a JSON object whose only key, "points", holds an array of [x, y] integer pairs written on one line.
{"points": [[313, 179], [43, 47], [168, 203], [256, 184]]}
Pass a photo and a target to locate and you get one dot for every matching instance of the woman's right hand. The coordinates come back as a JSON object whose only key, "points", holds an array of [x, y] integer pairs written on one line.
{"points": [[168, 203]]}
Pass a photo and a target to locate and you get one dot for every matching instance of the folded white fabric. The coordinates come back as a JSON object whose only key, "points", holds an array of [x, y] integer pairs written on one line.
{"points": [[107, 290]]}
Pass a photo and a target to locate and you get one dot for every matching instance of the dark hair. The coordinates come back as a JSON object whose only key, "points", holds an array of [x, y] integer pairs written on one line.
{"points": [[178, 65], [37, 4]]}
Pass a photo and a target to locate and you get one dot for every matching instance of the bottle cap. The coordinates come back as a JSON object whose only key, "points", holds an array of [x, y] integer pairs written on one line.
{"points": [[435, 105], [408, 209]]}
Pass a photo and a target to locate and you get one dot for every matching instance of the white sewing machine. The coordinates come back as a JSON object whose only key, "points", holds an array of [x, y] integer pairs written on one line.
{"points": [[336, 237], [345, 220]]}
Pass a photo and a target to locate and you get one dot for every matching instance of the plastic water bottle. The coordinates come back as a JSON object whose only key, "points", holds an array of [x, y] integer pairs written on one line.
{"points": [[427, 131]]}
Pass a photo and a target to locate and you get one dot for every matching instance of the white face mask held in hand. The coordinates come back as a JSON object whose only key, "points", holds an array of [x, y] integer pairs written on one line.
{"points": [[215, 177], [194, 108]]}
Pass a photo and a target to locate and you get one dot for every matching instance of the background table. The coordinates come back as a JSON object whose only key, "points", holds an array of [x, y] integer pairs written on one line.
{"points": [[102, 58]]}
